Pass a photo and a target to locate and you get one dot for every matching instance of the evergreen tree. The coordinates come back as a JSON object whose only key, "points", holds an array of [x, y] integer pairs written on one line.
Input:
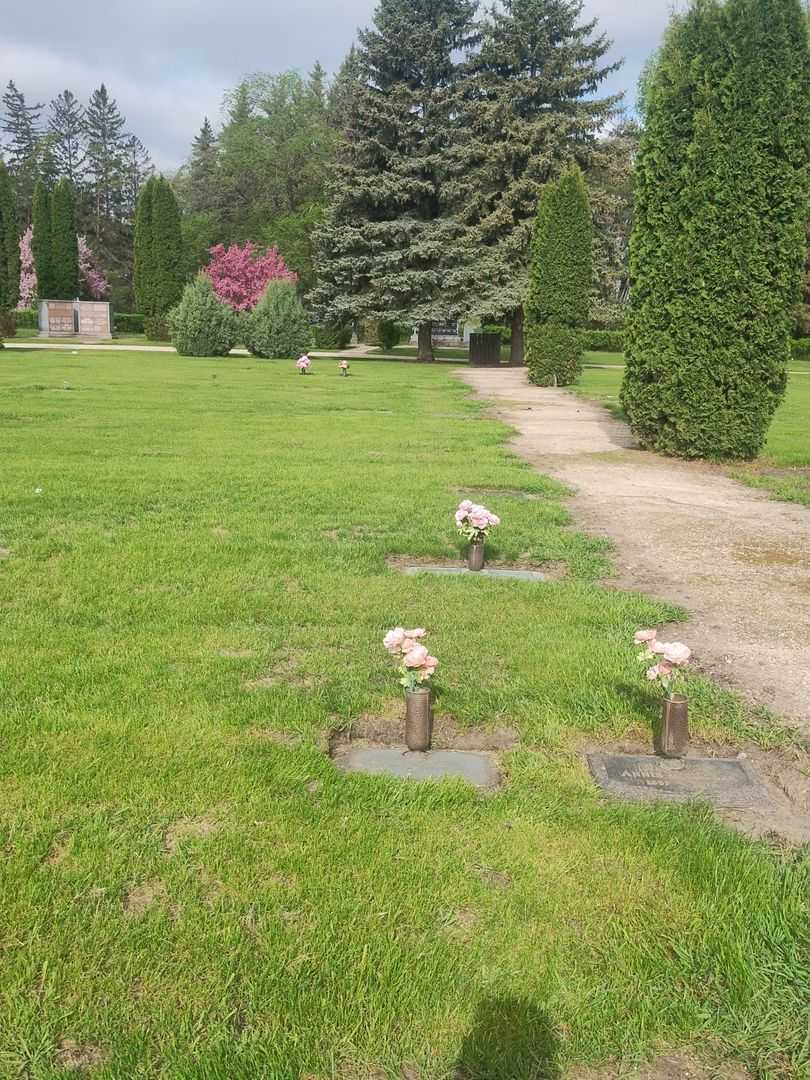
{"points": [[278, 326], [317, 83], [343, 89], [42, 243], [718, 241], [143, 273], [64, 256], [21, 125], [200, 185], [66, 130], [137, 166], [531, 107], [9, 246], [558, 301], [104, 129], [388, 248]]}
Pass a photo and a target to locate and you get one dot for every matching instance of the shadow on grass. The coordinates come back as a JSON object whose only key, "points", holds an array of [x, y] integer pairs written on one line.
{"points": [[511, 1039]]}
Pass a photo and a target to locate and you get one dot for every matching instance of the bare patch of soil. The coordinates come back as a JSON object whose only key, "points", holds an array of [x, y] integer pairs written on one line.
{"points": [[553, 569], [144, 896], [59, 851], [784, 773], [676, 1066], [188, 829], [684, 532], [285, 672], [387, 728], [496, 879], [79, 1057], [461, 924]]}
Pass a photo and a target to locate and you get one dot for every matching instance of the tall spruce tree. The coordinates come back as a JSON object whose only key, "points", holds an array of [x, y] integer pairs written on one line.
{"points": [[531, 107], [104, 129], [558, 301], [9, 246], [21, 126], [66, 131], [41, 243], [719, 235], [64, 254], [388, 248]]}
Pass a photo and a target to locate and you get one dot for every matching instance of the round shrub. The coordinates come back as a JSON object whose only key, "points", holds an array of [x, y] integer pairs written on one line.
{"points": [[201, 324], [332, 336], [278, 326], [390, 334]]}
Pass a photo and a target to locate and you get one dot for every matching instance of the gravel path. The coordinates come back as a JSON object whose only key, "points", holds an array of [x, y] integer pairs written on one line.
{"points": [[685, 533]]}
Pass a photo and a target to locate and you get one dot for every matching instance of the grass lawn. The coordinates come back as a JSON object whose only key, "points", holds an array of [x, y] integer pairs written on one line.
{"points": [[194, 590], [24, 334], [784, 467]]}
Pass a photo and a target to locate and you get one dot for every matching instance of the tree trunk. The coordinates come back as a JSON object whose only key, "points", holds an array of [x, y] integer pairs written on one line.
{"points": [[425, 348], [517, 357]]}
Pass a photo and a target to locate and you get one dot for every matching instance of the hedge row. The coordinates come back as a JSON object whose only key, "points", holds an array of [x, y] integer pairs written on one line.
{"points": [[603, 340]]}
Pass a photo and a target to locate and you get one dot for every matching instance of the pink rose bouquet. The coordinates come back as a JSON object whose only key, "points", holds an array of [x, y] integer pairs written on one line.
{"points": [[416, 665], [667, 660], [303, 364], [474, 522]]}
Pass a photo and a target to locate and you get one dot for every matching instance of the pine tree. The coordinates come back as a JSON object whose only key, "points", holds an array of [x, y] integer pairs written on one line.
{"points": [[104, 129], [143, 271], [42, 243], [66, 129], [388, 249], [718, 242], [9, 246], [200, 186], [343, 89], [21, 125], [316, 84], [64, 257], [138, 167], [531, 107], [558, 300]]}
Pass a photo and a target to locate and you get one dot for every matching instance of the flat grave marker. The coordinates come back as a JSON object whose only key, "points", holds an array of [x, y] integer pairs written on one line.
{"points": [[477, 769], [723, 782], [487, 572]]}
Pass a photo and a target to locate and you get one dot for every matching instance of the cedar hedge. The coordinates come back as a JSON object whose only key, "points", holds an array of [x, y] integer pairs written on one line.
{"points": [[603, 340]]}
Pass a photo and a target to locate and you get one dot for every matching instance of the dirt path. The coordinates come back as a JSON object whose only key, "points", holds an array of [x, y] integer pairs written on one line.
{"points": [[684, 533]]}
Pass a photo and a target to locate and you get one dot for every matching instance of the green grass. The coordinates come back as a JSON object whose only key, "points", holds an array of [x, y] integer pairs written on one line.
{"points": [[24, 334], [784, 467], [181, 528]]}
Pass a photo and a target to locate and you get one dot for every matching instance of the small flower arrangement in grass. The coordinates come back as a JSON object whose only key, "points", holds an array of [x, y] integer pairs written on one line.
{"points": [[474, 522], [416, 665], [303, 364], [344, 367], [670, 660]]}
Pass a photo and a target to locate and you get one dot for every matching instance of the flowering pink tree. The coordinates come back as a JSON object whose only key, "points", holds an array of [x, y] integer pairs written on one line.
{"points": [[28, 275], [94, 282], [240, 275]]}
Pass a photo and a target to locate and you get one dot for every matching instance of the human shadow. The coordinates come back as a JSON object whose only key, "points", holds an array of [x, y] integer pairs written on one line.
{"points": [[511, 1039]]}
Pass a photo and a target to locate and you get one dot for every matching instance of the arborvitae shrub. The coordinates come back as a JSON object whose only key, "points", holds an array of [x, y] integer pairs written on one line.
{"points": [[201, 324], [41, 243], [719, 237], [128, 322], [64, 242], [278, 326], [558, 303], [390, 334], [332, 336], [603, 340]]}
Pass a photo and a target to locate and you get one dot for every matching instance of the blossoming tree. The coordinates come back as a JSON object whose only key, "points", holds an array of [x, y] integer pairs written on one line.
{"points": [[240, 275], [94, 283]]}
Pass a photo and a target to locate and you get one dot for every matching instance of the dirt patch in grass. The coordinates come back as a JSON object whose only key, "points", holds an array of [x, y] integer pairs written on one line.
{"points": [[285, 672], [58, 852], [496, 879], [237, 654], [553, 569], [79, 1057], [188, 829], [677, 1066], [5, 553], [387, 728], [144, 896], [785, 773], [460, 925]]}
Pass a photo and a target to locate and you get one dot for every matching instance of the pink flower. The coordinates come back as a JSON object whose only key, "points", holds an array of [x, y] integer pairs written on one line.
{"points": [[416, 634], [240, 275], [393, 639], [416, 657], [676, 654], [657, 647], [644, 636], [653, 673], [429, 666], [465, 507], [664, 668]]}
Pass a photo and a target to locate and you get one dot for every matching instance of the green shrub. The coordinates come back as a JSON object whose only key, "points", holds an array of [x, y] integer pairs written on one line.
{"points": [[719, 237], [201, 324], [390, 334], [561, 272], [278, 326], [8, 323], [27, 319], [800, 349], [503, 329], [603, 340], [128, 323], [157, 328], [332, 336]]}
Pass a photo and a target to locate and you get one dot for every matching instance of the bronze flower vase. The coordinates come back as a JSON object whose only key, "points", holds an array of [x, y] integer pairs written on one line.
{"points": [[671, 733], [418, 719], [475, 556]]}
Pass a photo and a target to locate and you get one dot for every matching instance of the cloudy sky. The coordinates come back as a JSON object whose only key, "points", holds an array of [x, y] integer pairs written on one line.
{"points": [[168, 61]]}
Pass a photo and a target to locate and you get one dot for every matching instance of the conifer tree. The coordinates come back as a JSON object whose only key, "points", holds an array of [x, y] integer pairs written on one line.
{"points": [[388, 248], [104, 128], [66, 131], [64, 255], [719, 236], [9, 246], [42, 243], [531, 107], [143, 276], [561, 275], [21, 125], [158, 275]]}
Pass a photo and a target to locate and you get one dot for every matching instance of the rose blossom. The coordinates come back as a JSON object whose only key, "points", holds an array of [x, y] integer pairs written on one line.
{"points": [[416, 657], [393, 639], [676, 654], [644, 636]]}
